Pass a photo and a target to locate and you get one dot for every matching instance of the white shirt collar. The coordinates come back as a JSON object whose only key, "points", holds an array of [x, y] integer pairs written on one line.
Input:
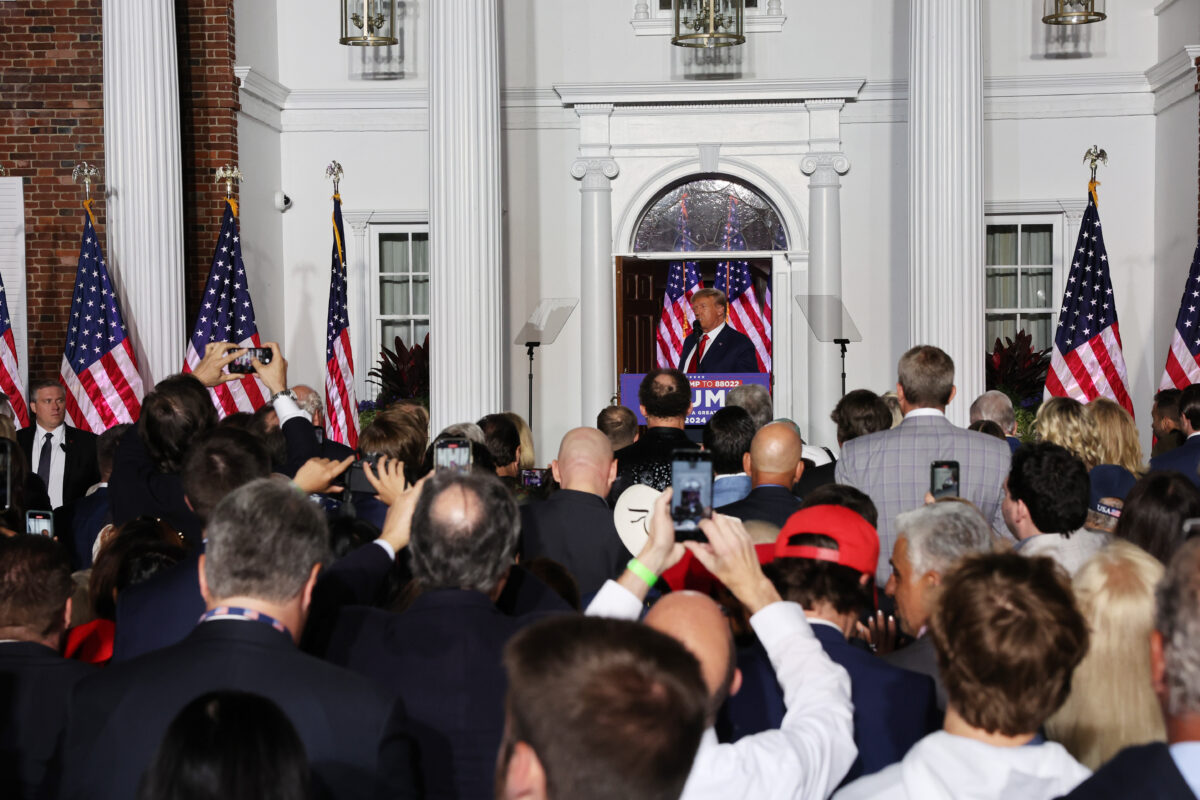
{"points": [[925, 412], [57, 435], [714, 332]]}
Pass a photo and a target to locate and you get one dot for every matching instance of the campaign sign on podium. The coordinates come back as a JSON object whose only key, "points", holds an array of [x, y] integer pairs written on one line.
{"points": [[708, 392]]}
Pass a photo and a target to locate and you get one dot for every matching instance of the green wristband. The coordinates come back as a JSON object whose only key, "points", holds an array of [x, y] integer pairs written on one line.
{"points": [[642, 571]]}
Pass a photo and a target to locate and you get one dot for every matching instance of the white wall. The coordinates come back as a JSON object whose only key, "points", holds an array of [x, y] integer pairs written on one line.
{"points": [[1038, 124]]}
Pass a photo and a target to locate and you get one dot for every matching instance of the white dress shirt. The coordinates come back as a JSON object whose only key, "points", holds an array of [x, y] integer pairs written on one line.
{"points": [[813, 748], [712, 337], [58, 460], [1072, 552]]}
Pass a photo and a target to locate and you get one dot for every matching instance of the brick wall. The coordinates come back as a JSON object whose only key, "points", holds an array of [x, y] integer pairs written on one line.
{"points": [[208, 105], [51, 116]]}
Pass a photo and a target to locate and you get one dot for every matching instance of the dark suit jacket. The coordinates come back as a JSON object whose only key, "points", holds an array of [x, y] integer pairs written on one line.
{"points": [[79, 470], [443, 657], [302, 444], [137, 488], [77, 525], [773, 504], [920, 656], [814, 477], [35, 684], [165, 609], [575, 529], [1185, 459], [731, 351], [1146, 772], [352, 731]]}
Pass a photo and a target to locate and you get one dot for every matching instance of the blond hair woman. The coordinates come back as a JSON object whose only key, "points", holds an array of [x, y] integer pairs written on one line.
{"points": [[1112, 704], [1065, 422], [1116, 434]]}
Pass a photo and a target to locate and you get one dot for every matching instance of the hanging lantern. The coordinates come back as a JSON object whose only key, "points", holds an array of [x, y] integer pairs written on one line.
{"points": [[368, 23], [1072, 12], [709, 23]]}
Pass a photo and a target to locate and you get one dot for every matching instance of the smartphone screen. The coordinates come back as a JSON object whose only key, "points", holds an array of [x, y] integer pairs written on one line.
{"points": [[943, 479], [533, 477], [244, 364], [691, 496], [39, 523], [452, 454]]}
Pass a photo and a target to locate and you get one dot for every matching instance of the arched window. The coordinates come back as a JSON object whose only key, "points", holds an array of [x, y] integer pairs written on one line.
{"points": [[710, 212]]}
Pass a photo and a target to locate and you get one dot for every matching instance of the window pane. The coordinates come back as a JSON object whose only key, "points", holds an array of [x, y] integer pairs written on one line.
{"points": [[420, 252], [1001, 244], [1002, 326], [1037, 244], [393, 252], [1036, 288], [696, 215], [1040, 327], [391, 328], [420, 331], [393, 295], [1001, 288], [420, 296]]}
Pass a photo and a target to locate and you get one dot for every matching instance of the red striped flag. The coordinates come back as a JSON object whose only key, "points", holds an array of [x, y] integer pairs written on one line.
{"points": [[1183, 360], [341, 421], [10, 370], [682, 281], [1087, 362], [99, 370], [227, 315], [737, 282]]}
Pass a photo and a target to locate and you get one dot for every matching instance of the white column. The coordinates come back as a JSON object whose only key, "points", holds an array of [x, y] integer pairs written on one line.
{"points": [[467, 341], [597, 331], [143, 179], [945, 113], [824, 378]]}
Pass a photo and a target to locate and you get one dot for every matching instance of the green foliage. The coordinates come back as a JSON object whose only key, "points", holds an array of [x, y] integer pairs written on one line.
{"points": [[1019, 371], [402, 374]]}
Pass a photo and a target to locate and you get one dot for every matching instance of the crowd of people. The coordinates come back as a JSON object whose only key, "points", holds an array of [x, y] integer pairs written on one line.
{"points": [[238, 607]]}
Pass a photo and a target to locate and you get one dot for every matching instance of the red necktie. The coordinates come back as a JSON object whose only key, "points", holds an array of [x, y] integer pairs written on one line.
{"points": [[694, 364]]}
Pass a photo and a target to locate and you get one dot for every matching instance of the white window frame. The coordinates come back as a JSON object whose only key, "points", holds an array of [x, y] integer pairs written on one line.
{"points": [[1064, 216], [377, 318]]}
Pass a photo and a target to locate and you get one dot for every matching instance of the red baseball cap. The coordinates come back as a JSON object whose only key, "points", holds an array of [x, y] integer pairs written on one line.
{"points": [[858, 543]]}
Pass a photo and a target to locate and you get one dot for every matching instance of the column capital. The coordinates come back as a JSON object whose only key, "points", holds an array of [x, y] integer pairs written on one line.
{"points": [[824, 168], [595, 172]]}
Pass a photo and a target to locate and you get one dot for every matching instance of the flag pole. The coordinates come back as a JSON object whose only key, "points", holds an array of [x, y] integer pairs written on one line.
{"points": [[86, 172], [1095, 156], [230, 173]]}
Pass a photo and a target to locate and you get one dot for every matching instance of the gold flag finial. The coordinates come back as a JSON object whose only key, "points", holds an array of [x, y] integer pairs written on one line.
{"points": [[87, 173], [334, 173], [229, 173]]}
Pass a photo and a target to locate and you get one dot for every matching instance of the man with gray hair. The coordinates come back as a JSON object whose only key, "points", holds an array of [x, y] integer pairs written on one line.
{"points": [[755, 399], [443, 653], [996, 406], [265, 546], [1170, 769], [930, 541]]}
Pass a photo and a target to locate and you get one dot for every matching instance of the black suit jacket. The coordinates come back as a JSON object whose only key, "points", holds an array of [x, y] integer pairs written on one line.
{"points": [[575, 529], [648, 460], [773, 504], [443, 657], [79, 470], [731, 351], [920, 656], [353, 733], [35, 684], [1185, 459], [302, 444], [1146, 772], [77, 525], [813, 477], [137, 488]]}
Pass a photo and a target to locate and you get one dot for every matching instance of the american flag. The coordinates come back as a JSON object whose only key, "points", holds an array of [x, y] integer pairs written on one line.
{"points": [[227, 315], [1087, 362], [682, 281], [10, 370], [1182, 368], [737, 282], [99, 370], [341, 423]]}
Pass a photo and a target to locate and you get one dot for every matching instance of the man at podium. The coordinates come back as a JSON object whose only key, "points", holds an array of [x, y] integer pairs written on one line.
{"points": [[713, 346]]}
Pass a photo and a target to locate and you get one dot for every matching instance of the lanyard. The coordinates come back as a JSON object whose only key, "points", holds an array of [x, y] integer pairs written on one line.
{"points": [[225, 612]]}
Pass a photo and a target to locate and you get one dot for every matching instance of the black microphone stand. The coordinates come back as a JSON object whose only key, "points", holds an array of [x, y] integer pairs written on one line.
{"points": [[842, 343]]}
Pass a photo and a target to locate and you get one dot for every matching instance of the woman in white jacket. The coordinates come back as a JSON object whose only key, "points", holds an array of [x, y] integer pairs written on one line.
{"points": [[1008, 637]]}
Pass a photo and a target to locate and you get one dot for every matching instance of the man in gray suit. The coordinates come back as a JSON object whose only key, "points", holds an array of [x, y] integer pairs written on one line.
{"points": [[892, 466]]}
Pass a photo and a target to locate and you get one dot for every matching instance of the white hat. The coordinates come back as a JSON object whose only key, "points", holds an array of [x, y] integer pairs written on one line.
{"points": [[632, 515]]}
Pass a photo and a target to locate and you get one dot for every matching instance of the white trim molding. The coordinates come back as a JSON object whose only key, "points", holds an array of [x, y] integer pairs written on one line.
{"points": [[684, 92], [752, 23], [1174, 78], [261, 97], [1062, 205]]}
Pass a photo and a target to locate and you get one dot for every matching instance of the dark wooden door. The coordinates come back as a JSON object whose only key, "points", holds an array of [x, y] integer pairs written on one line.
{"points": [[640, 288]]}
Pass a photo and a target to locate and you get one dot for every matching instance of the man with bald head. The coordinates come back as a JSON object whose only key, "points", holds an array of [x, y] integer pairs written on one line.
{"points": [[443, 654], [574, 526], [774, 465], [814, 747]]}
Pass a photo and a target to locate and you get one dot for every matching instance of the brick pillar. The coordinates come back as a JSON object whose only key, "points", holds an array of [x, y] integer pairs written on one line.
{"points": [[208, 106], [51, 116]]}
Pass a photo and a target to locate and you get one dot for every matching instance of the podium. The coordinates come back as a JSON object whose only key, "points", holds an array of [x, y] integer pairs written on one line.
{"points": [[708, 392]]}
